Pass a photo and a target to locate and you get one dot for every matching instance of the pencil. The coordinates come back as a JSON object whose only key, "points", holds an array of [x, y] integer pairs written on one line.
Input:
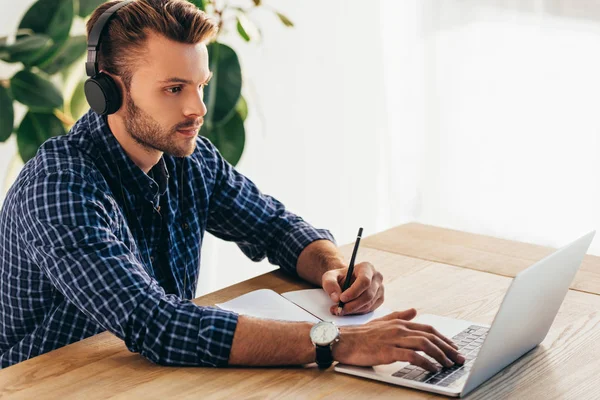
{"points": [[350, 270]]}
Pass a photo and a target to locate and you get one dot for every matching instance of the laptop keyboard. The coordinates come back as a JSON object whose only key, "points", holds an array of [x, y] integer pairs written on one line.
{"points": [[468, 341]]}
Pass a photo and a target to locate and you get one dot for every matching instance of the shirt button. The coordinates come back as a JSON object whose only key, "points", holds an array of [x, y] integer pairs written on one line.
{"points": [[152, 259], [185, 226]]}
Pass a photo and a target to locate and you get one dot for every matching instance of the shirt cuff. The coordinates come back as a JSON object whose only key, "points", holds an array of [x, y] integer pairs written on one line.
{"points": [[217, 328], [295, 241]]}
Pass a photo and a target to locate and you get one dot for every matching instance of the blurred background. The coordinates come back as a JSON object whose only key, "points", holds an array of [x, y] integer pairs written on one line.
{"points": [[476, 115]]}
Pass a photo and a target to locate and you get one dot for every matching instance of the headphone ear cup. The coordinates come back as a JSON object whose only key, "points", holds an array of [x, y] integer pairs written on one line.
{"points": [[102, 94]]}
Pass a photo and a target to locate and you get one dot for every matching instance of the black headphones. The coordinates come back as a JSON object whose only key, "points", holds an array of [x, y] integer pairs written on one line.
{"points": [[101, 91]]}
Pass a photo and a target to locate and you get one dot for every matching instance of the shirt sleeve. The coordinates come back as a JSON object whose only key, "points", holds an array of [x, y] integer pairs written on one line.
{"points": [[259, 224], [69, 226]]}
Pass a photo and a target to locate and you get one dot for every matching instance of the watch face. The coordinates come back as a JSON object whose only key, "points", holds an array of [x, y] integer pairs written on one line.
{"points": [[324, 333]]}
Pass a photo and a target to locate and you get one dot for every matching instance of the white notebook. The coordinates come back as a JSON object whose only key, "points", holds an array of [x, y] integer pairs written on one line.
{"points": [[311, 305]]}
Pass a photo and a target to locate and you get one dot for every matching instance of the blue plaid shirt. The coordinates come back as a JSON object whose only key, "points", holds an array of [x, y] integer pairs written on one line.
{"points": [[89, 242]]}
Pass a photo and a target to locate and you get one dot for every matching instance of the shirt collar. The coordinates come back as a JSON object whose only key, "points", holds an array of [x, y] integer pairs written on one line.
{"points": [[119, 166]]}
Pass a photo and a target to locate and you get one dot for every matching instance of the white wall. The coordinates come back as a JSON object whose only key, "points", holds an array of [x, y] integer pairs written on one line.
{"points": [[317, 147], [505, 95]]}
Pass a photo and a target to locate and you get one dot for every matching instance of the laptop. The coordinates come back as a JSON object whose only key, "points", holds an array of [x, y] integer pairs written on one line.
{"points": [[521, 324]]}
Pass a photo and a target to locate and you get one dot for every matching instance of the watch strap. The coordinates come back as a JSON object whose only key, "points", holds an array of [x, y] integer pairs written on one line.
{"points": [[324, 356]]}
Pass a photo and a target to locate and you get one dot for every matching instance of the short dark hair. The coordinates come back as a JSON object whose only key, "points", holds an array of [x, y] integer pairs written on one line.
{"points": [[123, 40]]}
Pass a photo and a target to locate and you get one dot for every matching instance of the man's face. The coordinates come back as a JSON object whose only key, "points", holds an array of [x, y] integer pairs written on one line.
{"points": [[164, 106]]}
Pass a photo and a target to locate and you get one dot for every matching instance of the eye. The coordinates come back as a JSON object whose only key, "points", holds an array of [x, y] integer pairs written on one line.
{"points": [[174, 90]]}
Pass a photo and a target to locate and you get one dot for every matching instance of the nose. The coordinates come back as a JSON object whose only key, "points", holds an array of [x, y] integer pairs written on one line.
{"points": [[195, 105]]}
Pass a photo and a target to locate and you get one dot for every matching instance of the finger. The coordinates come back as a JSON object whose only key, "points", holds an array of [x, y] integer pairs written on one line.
{"points": [[431, 329], [367, 308], [450, 351], [378, 303], [331, 284], [414, 358], [365, 299], [364, 275], [405, 315], [373, 304], [421, 343]]}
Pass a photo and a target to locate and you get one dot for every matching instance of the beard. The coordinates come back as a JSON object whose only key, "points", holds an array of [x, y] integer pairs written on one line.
{"points": [[146, 131]]}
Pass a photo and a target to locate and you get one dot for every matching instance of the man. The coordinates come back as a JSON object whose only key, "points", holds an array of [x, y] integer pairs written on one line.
{"points": [[102, 229]]}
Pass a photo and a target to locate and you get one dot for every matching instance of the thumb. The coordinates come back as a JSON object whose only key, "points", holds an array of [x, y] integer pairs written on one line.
{"points": [[406, 315], [331, 285]]}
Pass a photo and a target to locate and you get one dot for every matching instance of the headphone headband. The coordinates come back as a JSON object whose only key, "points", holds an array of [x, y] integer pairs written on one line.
{"points": [[91, 66]]}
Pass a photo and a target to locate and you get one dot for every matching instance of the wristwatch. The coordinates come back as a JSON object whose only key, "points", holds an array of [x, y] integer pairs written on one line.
{"points": [[323, 335]]}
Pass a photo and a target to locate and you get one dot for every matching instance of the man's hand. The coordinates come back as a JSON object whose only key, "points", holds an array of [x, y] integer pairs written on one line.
{"points": [[393, 338], [365, 293], [321, 263], [381, 341]]}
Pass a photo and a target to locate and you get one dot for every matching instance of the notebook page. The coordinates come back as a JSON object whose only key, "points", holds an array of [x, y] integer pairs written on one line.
{"points": [[317, 302], [265, 303]]}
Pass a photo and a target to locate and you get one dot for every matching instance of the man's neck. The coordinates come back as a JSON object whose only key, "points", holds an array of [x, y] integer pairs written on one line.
{"points": [[142, 156]]}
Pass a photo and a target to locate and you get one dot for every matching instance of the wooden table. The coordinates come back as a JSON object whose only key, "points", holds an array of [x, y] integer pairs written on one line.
{"points": [[434, 270], [478, 252]]}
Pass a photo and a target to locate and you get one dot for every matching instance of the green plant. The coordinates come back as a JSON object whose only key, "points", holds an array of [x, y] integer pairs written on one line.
{"points": [[50, 84]]}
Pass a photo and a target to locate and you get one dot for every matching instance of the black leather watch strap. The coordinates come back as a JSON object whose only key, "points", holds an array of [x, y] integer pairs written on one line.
{"points": [[324, 356]]}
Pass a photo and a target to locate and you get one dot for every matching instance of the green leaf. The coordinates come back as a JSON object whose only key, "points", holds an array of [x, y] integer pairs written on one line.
{"points": [[246, 28], [26, 49], [242, 108], [35, 91], [226, 84], [53, 18], [7, 115], [34, 130], [201, 4], [286, 21], [229, 138], [79, 104], [242, 31], [86, 7], [74, 49]]}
